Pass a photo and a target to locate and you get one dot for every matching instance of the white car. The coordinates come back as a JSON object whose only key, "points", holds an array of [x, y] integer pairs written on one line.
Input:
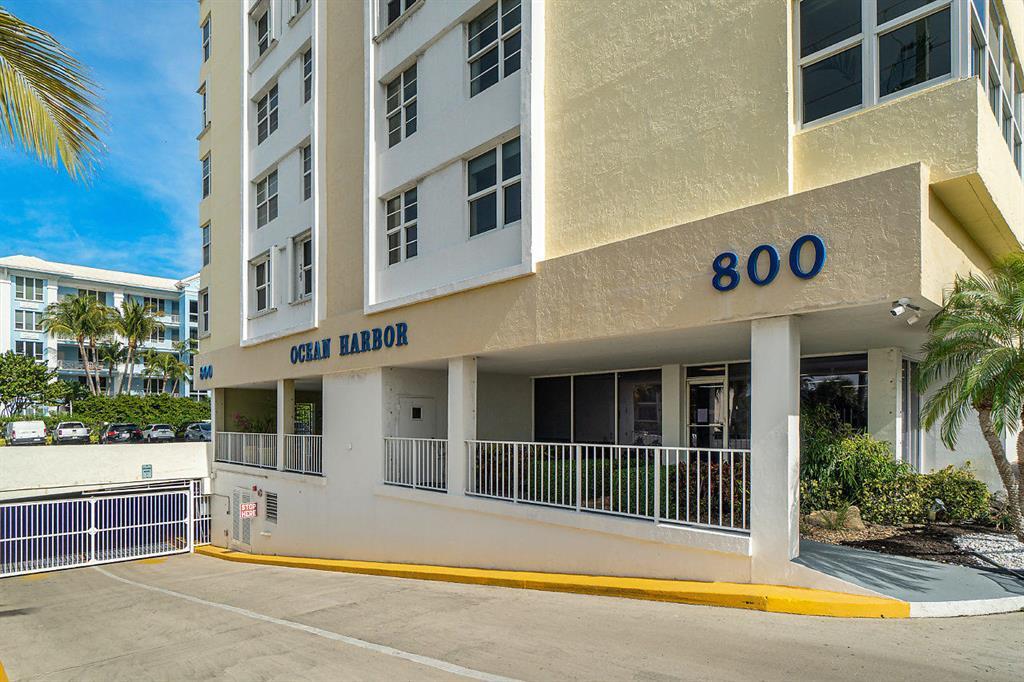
{"points": [[157, 432], [71, 432], [25, 433]]}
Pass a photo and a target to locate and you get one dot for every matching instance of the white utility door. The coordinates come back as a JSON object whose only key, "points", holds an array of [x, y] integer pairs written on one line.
{"points": [[241, 529], [417, 418]]}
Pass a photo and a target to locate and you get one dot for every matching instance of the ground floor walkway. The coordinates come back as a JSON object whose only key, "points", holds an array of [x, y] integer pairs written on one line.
{"points": [[193, 617]]}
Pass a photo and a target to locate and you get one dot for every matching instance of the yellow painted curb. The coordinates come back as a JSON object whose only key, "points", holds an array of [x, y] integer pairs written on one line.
{"points": [[3, 675], [771, 598]]}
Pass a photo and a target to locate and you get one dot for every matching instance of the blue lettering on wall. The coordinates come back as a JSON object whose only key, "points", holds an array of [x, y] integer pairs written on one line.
{"points": [[726, 264], [206, 372], [357, 342]]}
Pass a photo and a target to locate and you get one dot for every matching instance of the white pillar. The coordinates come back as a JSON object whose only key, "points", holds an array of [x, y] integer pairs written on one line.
{"points": [[218, 411], [285, 415], [461, 418], [671, 406], [775, 445], [51, 340], [885, 404], [6, 312]]}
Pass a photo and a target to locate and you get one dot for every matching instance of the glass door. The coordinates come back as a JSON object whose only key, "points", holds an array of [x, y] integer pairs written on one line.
{"points": [[706, 399]]}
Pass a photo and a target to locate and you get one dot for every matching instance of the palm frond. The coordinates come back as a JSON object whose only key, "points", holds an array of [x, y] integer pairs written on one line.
{"points": [[48, 104]]}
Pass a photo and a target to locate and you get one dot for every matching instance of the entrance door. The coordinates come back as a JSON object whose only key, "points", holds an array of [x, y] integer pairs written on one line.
{"points": [[417, 418], [706, 412]]}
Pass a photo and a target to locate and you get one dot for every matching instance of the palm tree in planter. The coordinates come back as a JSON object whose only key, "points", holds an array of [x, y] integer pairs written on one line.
{"points": [[136, 322], [84, 320], [976, 346]]}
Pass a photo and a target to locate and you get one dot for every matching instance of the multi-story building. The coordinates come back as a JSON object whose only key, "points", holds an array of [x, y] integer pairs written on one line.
{"points": [[544, 284], [28, 285]]}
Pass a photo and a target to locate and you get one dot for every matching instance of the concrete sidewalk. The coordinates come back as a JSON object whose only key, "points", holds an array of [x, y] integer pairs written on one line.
{"points": [[931, 588]]}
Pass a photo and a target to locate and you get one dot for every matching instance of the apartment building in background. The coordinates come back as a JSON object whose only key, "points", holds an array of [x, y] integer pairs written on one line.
{"points": [[29, 284], [543, 284]]}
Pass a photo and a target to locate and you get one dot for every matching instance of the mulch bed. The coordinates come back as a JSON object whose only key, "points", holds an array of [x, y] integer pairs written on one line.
{"points": [[931, 542]]}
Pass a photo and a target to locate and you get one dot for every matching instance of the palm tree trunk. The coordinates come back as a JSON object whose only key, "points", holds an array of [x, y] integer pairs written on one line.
{"points": [[129, 369], [1009, 477], [85, 364]]}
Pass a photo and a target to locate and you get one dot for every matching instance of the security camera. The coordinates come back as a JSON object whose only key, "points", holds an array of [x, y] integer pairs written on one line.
{"points": [[898, 310]]}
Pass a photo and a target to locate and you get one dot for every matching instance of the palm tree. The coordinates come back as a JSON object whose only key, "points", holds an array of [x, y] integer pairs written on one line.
{"points": [[177, 371], [163, 365], [83, 319], [976, 345], [136, 322], [111, 354], [47, 103]]}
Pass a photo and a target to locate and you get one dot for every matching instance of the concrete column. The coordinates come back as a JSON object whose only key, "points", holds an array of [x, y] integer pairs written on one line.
{"points": [[285, 415], [775, 445], [671, 405], [6, 312], [461, 418], [885, 404], [51, 340]]}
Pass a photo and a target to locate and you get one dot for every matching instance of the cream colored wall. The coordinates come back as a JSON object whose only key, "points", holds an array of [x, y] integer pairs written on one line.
{"points": [[946, 250], [222, 74], [254, 404], [661, 113]]}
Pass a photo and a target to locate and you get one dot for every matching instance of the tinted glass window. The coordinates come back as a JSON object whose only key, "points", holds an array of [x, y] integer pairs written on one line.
{"points": [[551, 410], [890, 9], [827, 22], [832, 85], [914, 54], [594, 408], [839, 383]]}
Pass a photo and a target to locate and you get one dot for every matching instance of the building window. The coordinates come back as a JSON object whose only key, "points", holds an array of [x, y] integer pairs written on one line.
{"points": [[300, 5], [402, 235], [30, 349], [266, 115], [266, 199], [206, 176], [307, 75], [911, 441], [837, 384], [193, 315], [99, 296], [204, 311], [911, 41], [303, 267], [261, 284], [28, 289], [206, 39], [263, 32], [206, 244], [993, 64], [153, 303], [158, 335], [494, 44], [400, 106], [307, 172], [202, 99], [393, 9], [28, 320], [489, 204]]}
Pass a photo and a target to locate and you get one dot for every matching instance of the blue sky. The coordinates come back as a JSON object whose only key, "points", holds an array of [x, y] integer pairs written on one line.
{"points": [[139, 211]]}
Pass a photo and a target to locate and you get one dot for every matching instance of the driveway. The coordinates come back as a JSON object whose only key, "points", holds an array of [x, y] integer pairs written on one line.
{"points": [[194, 617]]}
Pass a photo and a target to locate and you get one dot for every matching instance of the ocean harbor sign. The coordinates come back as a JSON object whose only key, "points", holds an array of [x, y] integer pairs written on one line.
{"points": [[348, 344]]}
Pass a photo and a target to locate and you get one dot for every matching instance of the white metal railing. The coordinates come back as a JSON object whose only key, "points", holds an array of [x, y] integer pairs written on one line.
{"points": [[304, 454], [696, 486], [416, 463], [247, 449], [201, 515]]}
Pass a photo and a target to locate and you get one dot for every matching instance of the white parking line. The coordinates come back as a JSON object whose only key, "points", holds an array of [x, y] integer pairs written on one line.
{"points": [[326, 634]]}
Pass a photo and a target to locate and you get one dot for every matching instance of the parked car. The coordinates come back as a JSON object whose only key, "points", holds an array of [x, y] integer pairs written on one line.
{"points": [[158, 432], [70, 432], [25, 433], [198, 431], [120, 433]]}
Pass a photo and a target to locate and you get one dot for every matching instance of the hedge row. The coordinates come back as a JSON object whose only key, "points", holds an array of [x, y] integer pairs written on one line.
{"points": [[163, 408]]}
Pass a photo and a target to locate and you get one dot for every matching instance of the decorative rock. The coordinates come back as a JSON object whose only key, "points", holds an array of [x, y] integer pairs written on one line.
{"points": [[1004, 550]]}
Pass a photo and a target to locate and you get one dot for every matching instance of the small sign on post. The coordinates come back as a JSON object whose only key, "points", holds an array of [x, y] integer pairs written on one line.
{"points": [[147, 471], [247, 510]]}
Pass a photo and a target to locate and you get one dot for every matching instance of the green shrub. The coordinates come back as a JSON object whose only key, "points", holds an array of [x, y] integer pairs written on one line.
{"points": [[892, 501], [819, 494], [964, 497]]}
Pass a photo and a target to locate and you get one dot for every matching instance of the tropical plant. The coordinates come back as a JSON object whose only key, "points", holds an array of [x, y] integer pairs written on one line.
{"points": [[47, 103], [976, 346], [84, 320], [155, 365], [136, 322], [25, 382], [177, 371], [111, 354]]}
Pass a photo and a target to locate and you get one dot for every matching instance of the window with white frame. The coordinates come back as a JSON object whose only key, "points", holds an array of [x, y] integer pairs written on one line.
{"points": [[158, 335], [206, 39], [307, 75], [854, 53], [307, 172], [303, 249], [206, 244], [402, 233], [204, 311], [193, 312], [30, 349], [260, 268], [202, 99], [993, 63], [494, 44], [495, 188], [266, 199], [206, 176], [266, 115], [391, 10], [154, 304], [28, 320], [262, 30], [298, 6], [28, 288], [400, 106]]}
